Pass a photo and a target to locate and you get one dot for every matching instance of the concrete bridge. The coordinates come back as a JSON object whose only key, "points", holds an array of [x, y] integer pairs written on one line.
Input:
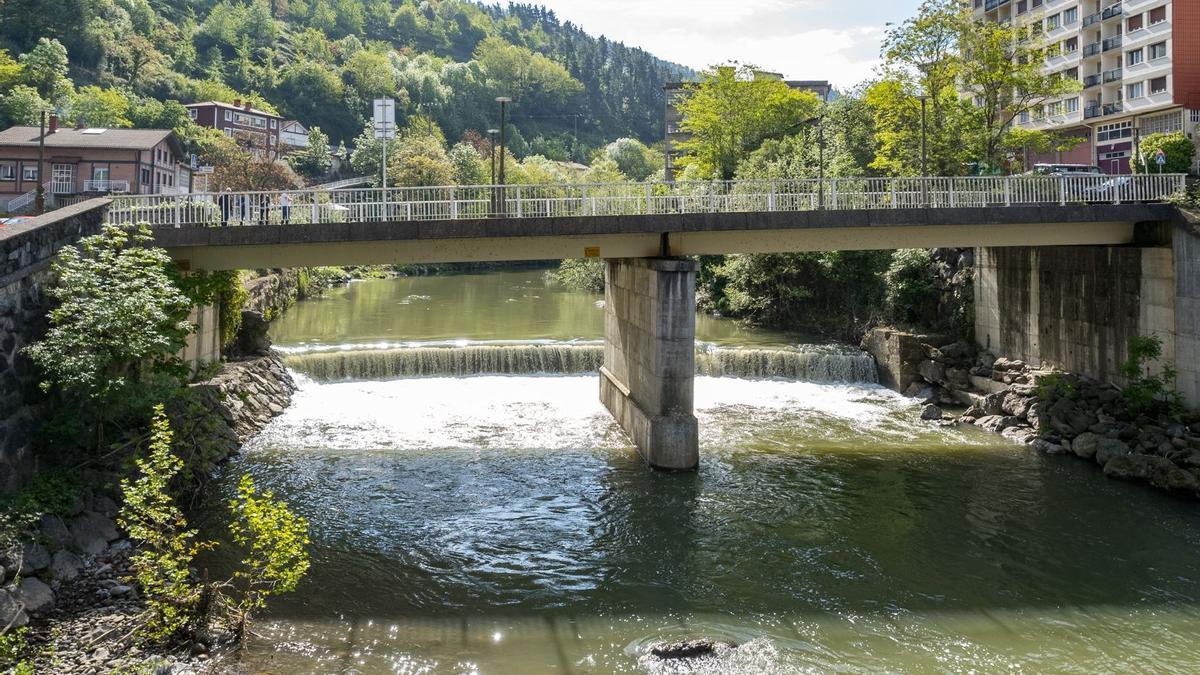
{"points": [[646, 231]]}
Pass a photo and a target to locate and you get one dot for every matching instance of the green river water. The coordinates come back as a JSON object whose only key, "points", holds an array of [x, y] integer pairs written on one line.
{"points": [[474, 522]]}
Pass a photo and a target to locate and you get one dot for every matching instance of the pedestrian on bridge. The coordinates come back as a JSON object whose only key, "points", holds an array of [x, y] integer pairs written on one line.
{"points": [[285, 207], [226, 205]]}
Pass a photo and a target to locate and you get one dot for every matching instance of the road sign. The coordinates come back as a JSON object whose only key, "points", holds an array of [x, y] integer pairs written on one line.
{"points": [[195, 162], [1160, 157], [385, 118], [204, 170]]}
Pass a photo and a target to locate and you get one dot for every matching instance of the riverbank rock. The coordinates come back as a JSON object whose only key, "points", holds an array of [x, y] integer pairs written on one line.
{"points": [[12, 612], [35, 595], [91, 532], [65, 566], [931, 413], [689, 649]]}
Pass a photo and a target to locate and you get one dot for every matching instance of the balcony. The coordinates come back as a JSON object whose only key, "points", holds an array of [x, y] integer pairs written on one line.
{"points": [[1112, 12], [1091, 81], [993, 4], [106, 186], [1112, 43], [1091, 50], [1113, 108], [1092, 19], [1112, 75], [1105, 110]]}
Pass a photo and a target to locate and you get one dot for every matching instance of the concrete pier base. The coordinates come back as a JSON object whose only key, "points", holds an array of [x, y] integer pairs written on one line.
{"points": [[648, 378]]}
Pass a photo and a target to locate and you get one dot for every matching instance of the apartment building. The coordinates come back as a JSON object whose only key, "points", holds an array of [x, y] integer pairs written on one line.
{"points": [[256, 130], [1138, 62], [676, 92]]}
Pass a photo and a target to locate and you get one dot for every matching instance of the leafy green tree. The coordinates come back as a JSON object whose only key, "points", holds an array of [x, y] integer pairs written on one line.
{"points": [[313, 93], [1149, 388], [469, 167], [96, 107], [117, 327], [911, 296], [166, 548], [531, 79], [420, 160], [313, 161], [22, 106], [10, 71], [370, 72], [1180, 151], [731, 111], [45, 68], [149, 113], [633, 158]]}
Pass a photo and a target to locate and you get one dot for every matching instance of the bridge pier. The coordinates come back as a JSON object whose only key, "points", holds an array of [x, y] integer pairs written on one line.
{"points": [[648, 377]]}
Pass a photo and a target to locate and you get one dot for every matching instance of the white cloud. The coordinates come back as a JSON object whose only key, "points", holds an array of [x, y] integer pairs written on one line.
{"points": [[837, 40]]}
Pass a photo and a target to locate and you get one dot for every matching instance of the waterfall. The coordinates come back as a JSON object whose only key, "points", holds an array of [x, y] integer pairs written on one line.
{"points": [[807, 364]]}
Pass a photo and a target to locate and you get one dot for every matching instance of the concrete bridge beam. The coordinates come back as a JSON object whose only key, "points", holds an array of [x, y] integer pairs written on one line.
{"points": [[647, 381]]}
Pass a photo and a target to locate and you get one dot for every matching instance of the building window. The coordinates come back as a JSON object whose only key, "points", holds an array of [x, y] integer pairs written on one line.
{"points": [[1071, 45], [1052, 22], [192, 112], [145, 176], [1072, 105], [1053, 50], [1070, 16], [1133, 57], [1135, 90], [1158, 50], [1158, 15], [8, 172], [1134, 23], [1158, 85], [100, 173], [274, 123], [228, 115], [29, 173], [1113, 132], [1162, 124]]}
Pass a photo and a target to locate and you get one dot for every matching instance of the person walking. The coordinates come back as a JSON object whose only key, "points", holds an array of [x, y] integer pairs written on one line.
{"points": [[285, 207], [224, 201]]}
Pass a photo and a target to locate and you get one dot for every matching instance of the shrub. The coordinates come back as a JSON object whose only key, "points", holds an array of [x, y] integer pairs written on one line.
{"points": [[583, 275], [167, 547], [1147, 393], [1179, 149], [911, 295]]}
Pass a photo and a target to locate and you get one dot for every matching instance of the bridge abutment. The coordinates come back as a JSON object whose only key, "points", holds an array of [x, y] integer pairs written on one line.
{"points": [[648, 378]]}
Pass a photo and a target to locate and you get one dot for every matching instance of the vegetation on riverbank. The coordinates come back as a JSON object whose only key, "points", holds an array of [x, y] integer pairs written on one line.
{"points": [[112, 370]]}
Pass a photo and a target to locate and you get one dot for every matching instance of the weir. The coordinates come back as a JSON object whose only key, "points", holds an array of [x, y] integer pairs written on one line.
{"points": [[648, 378]]}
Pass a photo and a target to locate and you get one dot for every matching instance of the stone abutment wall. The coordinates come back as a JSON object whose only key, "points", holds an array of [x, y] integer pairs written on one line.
{"points": [[26, 251]]}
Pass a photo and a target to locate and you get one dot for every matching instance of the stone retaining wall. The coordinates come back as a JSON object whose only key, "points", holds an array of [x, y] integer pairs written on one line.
{"points": [[26, 251]]}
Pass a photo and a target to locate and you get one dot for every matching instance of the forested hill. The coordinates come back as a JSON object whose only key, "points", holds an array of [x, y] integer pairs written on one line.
{"points": [[322, 61]]}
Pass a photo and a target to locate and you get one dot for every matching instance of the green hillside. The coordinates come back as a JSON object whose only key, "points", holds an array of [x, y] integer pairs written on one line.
{"points": [[322, 61]]}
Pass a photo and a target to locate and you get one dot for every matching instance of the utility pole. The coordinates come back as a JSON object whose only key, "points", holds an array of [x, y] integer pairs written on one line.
{"points": [[503, 101], [924, 146], [41, 185]]}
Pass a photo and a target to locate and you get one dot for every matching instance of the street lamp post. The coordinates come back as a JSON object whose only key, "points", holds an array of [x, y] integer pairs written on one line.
{"points": [[503, 101], [492, 152], [924, 154]]}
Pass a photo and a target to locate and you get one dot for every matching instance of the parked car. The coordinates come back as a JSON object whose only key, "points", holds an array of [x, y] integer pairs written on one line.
{"points": [[1066, 170], [1113, 189]]}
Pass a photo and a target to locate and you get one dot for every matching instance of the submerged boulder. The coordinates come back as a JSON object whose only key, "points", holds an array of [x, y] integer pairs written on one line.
{"points": [[689, 649]]}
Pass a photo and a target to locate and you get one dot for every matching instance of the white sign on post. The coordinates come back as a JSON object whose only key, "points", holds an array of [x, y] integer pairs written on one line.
{"points": [[385, 119]]}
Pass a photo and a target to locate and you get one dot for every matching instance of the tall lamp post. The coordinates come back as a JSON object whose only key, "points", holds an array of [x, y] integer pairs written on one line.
{"points": [[40, 206], [492, 151], [924, 154], [503, 101]]}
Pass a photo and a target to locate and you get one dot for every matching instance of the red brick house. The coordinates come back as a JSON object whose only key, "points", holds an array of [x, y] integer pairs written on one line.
{"points": [[255, 129], [90, 161]]}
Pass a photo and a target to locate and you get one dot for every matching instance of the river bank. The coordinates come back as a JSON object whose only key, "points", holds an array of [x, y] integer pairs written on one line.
{"points": [[1054, 412]]}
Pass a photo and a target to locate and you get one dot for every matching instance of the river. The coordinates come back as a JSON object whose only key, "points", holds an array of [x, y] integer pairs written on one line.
{"points": [[475, 521]]}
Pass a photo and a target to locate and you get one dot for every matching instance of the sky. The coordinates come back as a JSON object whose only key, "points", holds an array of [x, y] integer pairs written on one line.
{"points": [[835, 40]]}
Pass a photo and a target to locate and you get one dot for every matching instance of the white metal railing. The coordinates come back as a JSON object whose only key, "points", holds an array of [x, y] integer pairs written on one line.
{"points": [[20, 203], [623, 199], [106, 186]]}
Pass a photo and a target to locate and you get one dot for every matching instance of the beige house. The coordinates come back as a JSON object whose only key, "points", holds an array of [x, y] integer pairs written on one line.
{"points": [[81, 162]]}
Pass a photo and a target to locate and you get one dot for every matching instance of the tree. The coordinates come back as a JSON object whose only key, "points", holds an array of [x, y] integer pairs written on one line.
{"points": [[420, 160], [118, 325], [633, 158], [731, 111], [45, 68], [1178, 147], [96, 107], [370, 72], [22, 106], [313, 161], [1004, 74], [469, 168], [10, 71]]}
